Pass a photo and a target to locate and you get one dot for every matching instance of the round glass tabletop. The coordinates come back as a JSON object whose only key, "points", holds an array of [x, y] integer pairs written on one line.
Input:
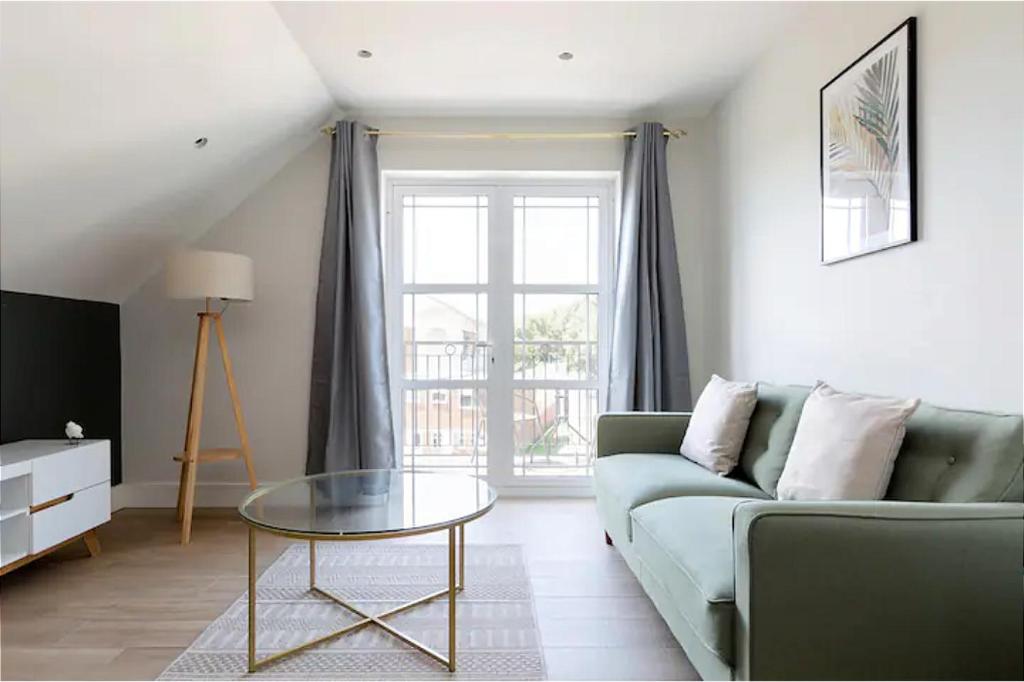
{"points": [[370, 502]]}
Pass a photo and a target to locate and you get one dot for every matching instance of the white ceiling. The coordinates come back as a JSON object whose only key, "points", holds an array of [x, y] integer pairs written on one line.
{"points": [[500, 58], [100, 105], [100, 102]]}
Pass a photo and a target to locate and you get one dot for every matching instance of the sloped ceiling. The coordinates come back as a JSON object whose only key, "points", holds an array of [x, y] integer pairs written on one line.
{"points": [[101, 103]]}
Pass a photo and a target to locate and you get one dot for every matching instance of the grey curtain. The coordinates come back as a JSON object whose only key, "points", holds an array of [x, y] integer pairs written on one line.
{"points": [[349, 396], [649, 369]]}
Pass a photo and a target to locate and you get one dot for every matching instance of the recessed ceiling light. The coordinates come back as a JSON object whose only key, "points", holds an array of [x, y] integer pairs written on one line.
{"points": [[364, 54], [565, 56], [200, 142]]}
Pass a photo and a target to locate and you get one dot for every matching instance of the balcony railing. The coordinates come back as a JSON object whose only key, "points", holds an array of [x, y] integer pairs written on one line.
{"points": [[446, 360], [553, 428], [553, 360]]}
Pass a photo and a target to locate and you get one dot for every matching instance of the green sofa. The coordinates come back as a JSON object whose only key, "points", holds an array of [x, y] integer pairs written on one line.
{"points": [[924, 584]]}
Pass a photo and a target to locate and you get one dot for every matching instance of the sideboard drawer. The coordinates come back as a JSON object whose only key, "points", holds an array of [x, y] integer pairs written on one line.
{"points": [[70, 470], [86, 509]]}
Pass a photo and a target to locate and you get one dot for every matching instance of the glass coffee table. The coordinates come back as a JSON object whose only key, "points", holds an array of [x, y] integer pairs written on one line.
{"points": [[373, 504]]}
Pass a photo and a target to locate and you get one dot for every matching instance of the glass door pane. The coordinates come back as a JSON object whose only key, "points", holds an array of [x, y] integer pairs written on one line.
{"points": [[444, 239], [556, 340], [555, 337], [556, 240], [554, 431], [445, 429], [443, 298], [497, 324], [445, 336]]}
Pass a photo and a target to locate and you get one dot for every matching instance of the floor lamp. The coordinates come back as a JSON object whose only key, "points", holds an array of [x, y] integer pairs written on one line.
{"points": [[208, 275]]}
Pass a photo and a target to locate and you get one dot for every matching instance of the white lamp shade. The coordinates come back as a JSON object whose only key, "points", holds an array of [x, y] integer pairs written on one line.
{"points": [[209, 274]]}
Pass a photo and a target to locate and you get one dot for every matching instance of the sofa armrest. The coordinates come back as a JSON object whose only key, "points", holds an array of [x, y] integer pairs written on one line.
{"points": [[640, 432], [879, 590]]}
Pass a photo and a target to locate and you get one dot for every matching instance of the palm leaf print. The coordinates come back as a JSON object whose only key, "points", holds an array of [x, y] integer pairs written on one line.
{"points": [[864, 130]]}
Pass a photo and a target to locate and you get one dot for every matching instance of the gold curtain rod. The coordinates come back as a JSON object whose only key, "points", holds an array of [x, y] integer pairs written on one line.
{"points": [[674, 134]]}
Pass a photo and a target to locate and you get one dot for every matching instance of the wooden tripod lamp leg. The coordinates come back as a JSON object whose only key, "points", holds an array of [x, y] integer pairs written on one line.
{"points": [[236, 404], [195, 419], [183, 482]]}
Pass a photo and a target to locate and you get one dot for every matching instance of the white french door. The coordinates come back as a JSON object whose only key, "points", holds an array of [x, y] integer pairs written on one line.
{"points": [[497, 324]]}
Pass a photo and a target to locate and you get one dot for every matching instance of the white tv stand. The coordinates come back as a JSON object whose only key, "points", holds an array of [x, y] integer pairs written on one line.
{"points": [[51, 494]]}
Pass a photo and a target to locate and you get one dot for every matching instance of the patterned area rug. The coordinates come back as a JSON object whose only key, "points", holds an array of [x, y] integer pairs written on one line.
{"points": [[497, 635]]}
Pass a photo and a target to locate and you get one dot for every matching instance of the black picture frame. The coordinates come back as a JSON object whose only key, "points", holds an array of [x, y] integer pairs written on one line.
{"points": [[837, 168]]}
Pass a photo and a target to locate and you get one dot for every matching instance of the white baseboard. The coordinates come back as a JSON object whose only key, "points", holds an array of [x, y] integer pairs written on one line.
{"points": [[164, 495], [117, 497], [514, 491]]}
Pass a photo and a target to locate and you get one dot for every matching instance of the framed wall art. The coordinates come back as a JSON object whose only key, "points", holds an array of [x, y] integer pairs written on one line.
{"points": [[868, 169]]}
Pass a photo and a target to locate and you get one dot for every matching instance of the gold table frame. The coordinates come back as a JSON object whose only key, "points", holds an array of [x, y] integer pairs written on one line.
{"points": [[454, 586]]}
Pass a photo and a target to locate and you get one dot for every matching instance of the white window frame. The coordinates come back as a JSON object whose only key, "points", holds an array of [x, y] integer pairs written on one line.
{"points": [[500, 188]]}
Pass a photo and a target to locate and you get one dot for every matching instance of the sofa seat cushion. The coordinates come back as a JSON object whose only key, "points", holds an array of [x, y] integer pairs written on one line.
{"points": [[626, 481], [685, 545]]}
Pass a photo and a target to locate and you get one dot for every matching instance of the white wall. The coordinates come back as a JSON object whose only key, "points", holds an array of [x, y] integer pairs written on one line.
{"points": [[941, 318], [280, 227], [270, 339]]}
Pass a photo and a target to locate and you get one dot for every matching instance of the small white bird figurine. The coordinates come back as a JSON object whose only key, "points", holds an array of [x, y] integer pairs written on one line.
{"points": [[73, 431]]}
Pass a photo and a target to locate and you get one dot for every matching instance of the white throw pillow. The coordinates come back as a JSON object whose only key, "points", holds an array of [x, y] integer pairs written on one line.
{"points": [[845, 446], [719, 423]]}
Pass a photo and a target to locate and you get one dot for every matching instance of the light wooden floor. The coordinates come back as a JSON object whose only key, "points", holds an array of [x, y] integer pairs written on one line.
{"points": [[127, 613]]}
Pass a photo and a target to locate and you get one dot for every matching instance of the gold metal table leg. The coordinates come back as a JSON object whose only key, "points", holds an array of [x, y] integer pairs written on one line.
{"points": [[454, 585], [312, 564], [462, 557], [376, 620], [320, 640], [451, 599], [252, 600]]}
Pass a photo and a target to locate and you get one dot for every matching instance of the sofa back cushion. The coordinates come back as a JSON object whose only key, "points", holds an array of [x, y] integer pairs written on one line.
{"points": [[947, 455], [770, 434], [960, 456]]}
